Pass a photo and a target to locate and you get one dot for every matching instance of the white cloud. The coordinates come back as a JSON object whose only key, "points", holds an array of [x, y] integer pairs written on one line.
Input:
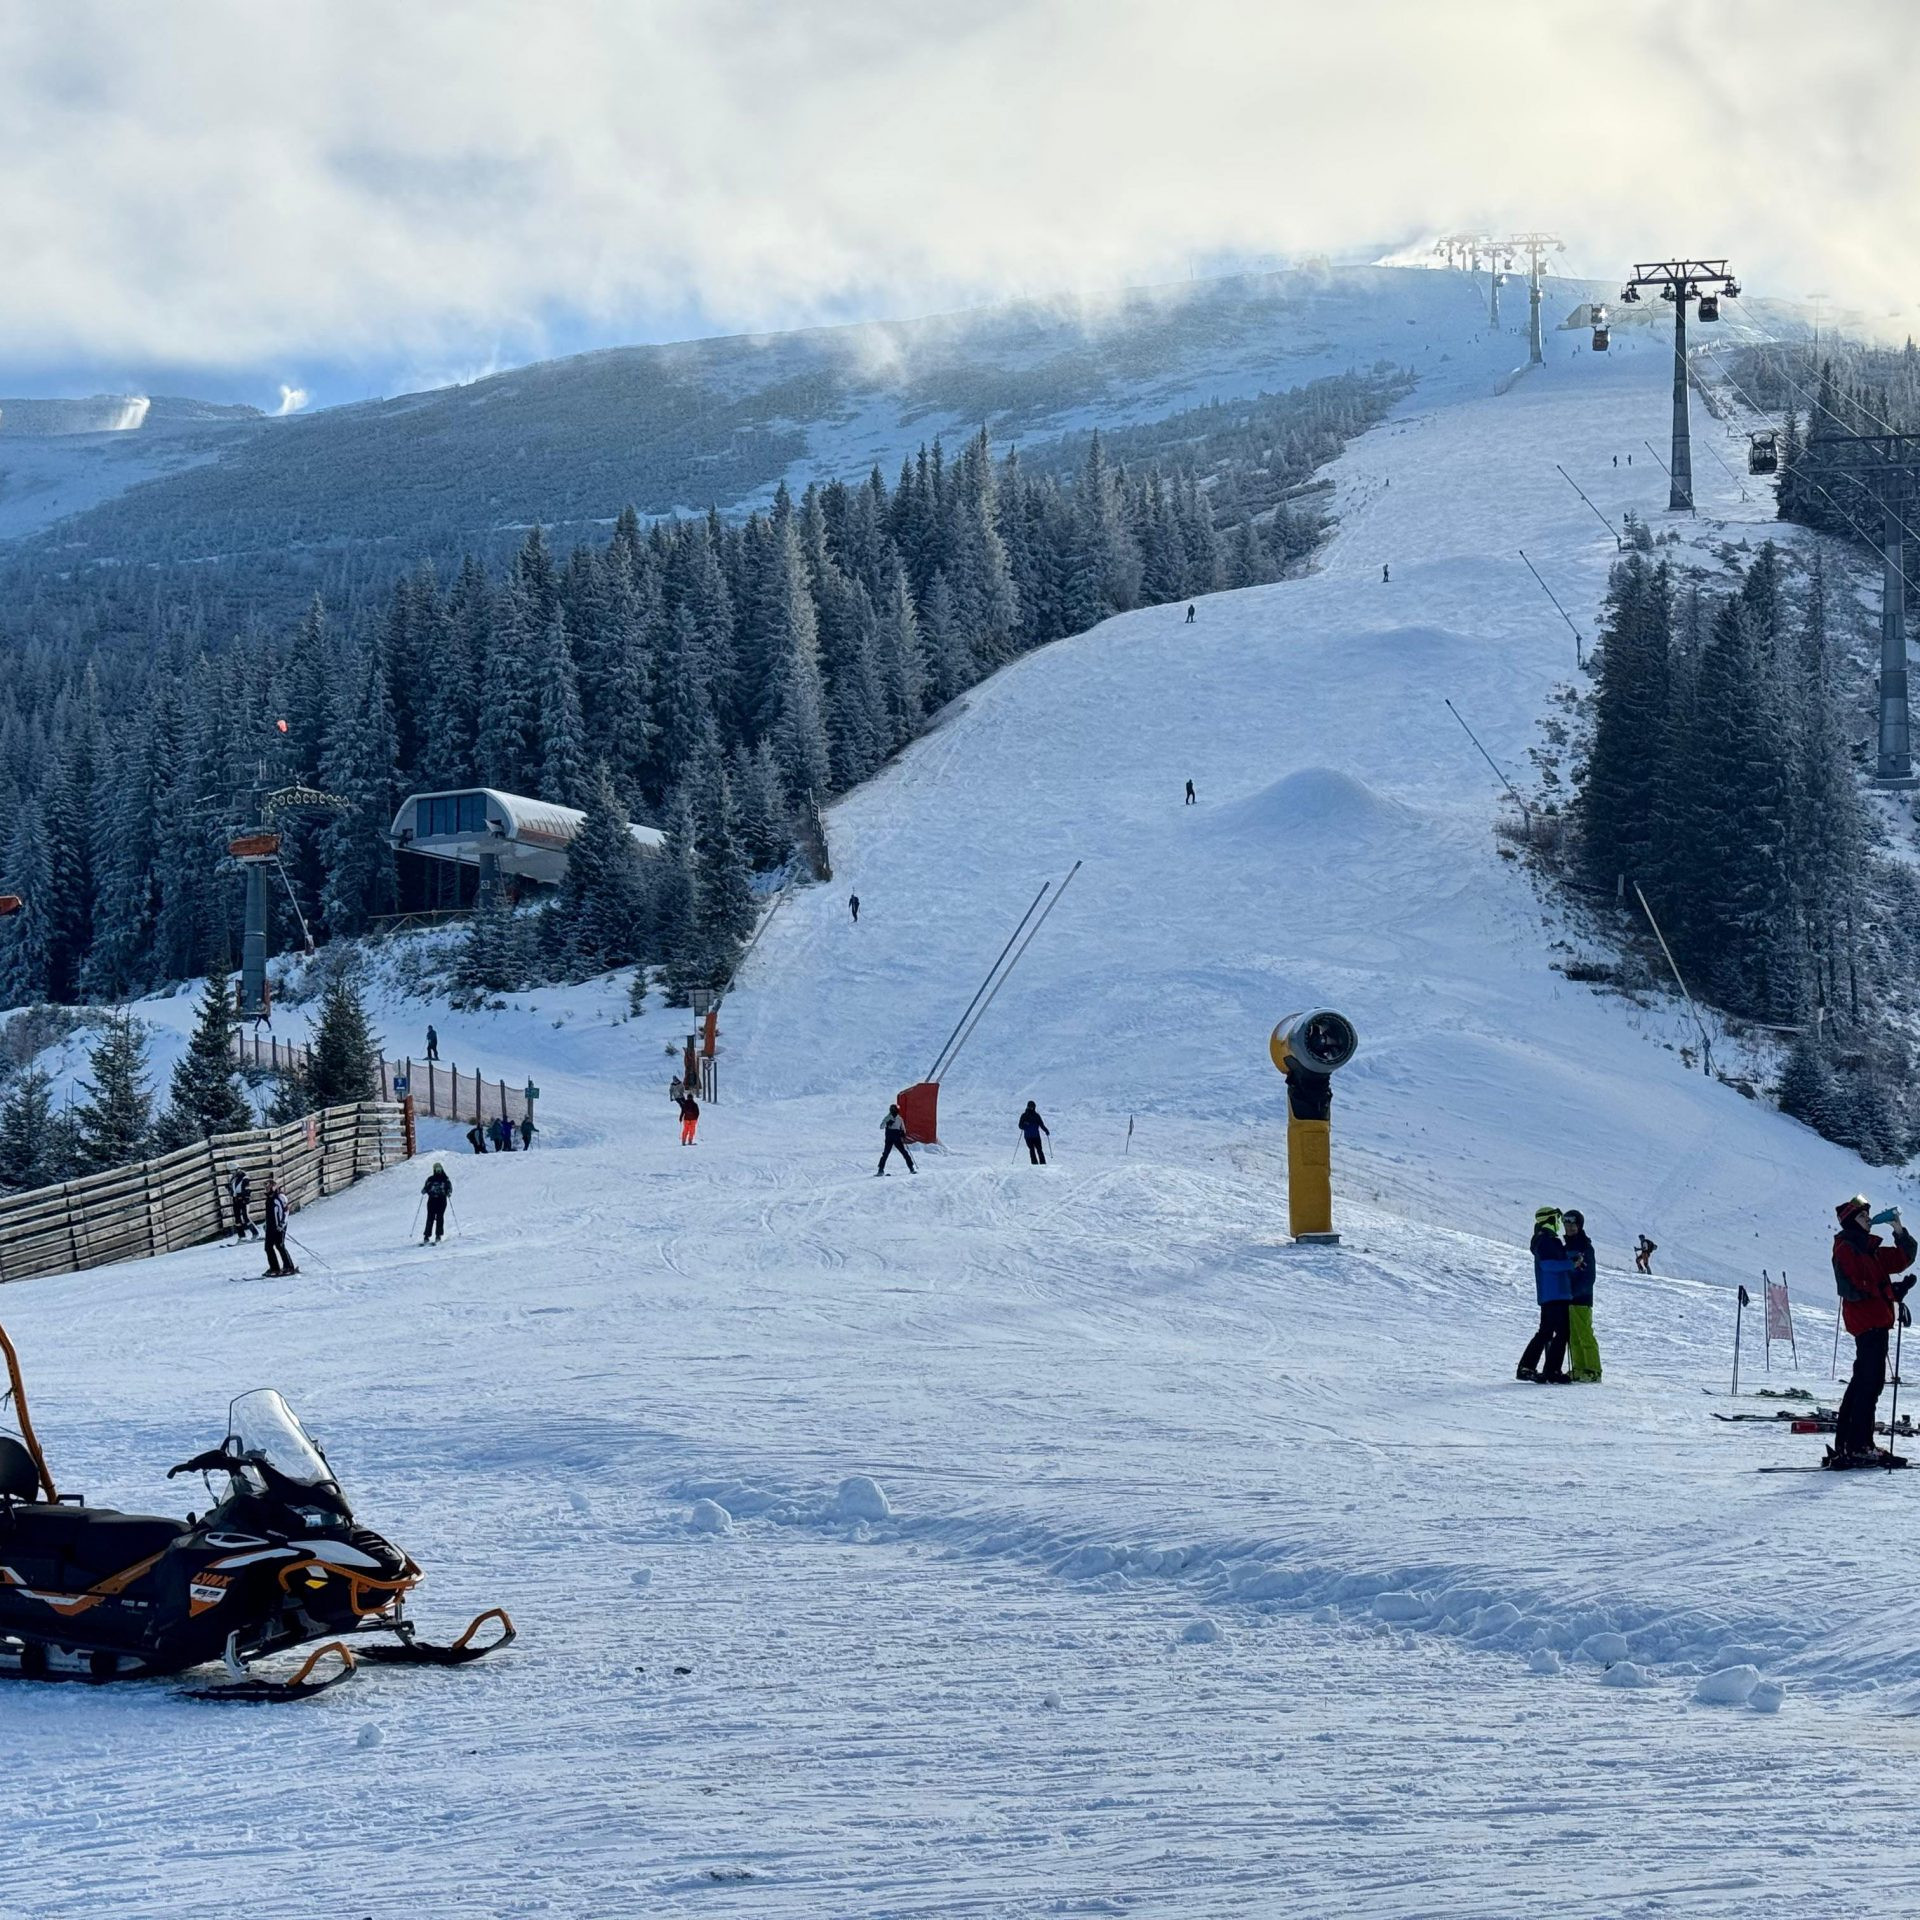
{"points": [[219, 182], [292, 399]]}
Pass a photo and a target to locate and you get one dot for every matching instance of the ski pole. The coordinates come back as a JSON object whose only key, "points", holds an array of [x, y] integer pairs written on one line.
{"points": [[417, 1205], [1900, 1319], [1739, 1314], [309, 1252], [1833, 1372], [455, 1212]]}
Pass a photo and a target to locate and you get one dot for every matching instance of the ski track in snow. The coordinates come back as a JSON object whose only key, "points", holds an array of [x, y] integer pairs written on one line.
{"points": [[1219, 1576]]}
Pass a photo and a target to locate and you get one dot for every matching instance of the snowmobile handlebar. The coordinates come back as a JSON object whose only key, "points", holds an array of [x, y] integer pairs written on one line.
{"points": [[205, 1462]]}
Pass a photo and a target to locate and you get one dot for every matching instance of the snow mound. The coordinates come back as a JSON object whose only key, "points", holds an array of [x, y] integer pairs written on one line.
{"points": [[1316, 807], [860, 1498], [1766, 1697], [709, 1516], [1199, 1633], [642, 1576], [1399, 1606], [1543, 1660], [1729, 1687], [1626, 1673], [1606, 1649]]}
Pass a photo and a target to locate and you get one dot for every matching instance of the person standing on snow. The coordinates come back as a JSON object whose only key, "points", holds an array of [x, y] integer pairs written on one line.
{"points": [[1545, 1358], [1386, 575], [1584, 1348], [240, 1196], [433, 1043], [439, 1190], [527, 1131], [1189, 793], [893, 1134], [1863, 1270], [477, 1137], [1032, 1127], [853, 907], [1643, 1253], [1189, 613], [278, 1258], [689, 1119]]}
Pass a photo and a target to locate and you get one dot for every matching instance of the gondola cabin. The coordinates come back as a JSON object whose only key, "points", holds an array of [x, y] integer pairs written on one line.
{"points": [[1709, 306], [1602, 334], [1763, 452]]}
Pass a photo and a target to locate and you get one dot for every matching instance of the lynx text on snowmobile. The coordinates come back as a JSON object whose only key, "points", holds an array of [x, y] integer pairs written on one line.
{"points": [[90, 1594]]}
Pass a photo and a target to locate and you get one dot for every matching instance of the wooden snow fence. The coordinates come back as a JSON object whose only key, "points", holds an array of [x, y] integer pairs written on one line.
{"points": [[180, 1200], [442, 1093]]}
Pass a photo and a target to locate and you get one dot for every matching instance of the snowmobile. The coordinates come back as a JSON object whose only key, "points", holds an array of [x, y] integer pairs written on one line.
{"points": [[90, 1594]]}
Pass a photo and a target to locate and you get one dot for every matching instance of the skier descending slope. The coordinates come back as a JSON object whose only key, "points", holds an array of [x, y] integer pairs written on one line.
{"points": [[1863, 1270], [1545, 1357], [893, 1135], [439, 1190], [1031, 1128]]}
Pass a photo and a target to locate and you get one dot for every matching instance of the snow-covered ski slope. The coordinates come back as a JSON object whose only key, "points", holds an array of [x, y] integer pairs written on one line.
{"points": [[1210, 1576]]}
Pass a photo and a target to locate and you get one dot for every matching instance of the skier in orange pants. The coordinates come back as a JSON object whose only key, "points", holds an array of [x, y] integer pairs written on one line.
{"points": [[689, 1118]]}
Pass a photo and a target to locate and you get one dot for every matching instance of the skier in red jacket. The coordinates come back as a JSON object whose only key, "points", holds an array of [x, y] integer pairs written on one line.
{"points": [[1863, 1270]]}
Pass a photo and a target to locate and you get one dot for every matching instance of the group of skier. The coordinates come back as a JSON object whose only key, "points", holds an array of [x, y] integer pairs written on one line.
{"points": [[893, 1137], [1563, 1269], [1872, 1303], [240, 1204], [499, 1133]]}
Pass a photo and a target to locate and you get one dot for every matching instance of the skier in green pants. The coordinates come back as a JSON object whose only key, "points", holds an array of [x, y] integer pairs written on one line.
{"points": [[1583, 1349]]}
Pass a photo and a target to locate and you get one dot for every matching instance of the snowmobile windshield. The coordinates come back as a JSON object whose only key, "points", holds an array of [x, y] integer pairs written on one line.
{"points": [[262, 1426]]}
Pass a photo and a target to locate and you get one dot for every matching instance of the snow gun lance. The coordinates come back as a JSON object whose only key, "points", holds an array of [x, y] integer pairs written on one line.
{"points": [[1309, 1048]]}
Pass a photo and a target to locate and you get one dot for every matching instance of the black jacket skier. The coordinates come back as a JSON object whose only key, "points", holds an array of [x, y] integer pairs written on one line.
{"points": [[1032, 1127], [240, 1196], [853, 906], [477, 1137], [433, 1044], [278, 1258], [439, 1190], [893, 1135]]}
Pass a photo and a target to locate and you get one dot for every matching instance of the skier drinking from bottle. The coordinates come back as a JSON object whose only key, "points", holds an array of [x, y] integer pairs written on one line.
{"points": [[1580, 1341], [1545, 1357], [1863, 1270]]}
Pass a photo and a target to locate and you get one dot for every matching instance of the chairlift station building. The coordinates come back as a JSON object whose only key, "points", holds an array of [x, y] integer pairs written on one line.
{"points": [[497, 834]]}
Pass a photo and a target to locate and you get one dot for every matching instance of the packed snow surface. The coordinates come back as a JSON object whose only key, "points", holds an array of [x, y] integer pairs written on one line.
{"points": [[996, 1540]]}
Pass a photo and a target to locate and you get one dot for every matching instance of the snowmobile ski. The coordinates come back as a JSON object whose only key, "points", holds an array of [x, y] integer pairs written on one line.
{"points": [[248, 1686], [412, 1651]]}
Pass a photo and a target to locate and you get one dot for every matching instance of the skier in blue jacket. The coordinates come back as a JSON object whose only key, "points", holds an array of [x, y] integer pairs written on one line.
{"points": [[1545, 1358]]}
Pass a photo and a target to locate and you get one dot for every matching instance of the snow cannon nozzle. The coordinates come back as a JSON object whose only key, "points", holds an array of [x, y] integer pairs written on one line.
{"points": [[1318, 1042]]}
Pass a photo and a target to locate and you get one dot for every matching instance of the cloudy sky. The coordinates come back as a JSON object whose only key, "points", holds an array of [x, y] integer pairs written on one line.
{"points": [[323, 199]]}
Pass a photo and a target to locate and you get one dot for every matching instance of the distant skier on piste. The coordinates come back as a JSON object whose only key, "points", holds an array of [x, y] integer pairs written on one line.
{"points": [[689, 1119], [893, 1137], [477, 1138], [1581, 1344], [1386, 575], [1643, 1253], [853, 907], [1189, 614], [1032, 1127], [1190, 794], [1870, 1298], [433, 1043], [1544, 1360], [439, 1190], [240, 1197]]}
